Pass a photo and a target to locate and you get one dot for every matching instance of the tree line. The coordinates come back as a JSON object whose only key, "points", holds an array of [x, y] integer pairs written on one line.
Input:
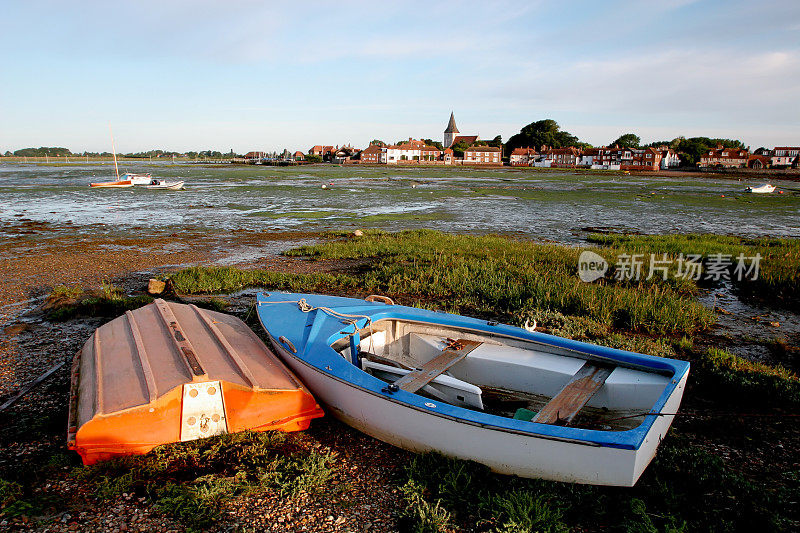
{"points": [[547, 132]]}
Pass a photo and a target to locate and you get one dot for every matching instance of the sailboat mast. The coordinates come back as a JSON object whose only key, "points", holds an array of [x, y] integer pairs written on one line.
{"points": [[114, 149]]}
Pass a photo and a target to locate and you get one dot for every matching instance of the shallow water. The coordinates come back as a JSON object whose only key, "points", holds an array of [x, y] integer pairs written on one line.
{"points": [[536, 203]]}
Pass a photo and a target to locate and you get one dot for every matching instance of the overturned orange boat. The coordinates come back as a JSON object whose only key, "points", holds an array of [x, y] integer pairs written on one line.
{"points": [[170, 372]]}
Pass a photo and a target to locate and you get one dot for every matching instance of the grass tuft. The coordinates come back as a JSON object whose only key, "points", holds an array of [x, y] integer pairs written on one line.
{"points": [[191, 481]]}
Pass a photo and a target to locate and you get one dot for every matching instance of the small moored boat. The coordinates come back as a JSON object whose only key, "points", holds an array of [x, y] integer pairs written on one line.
{"points": [[171, 372], [522, 402], [164, 184], [763, 189]]}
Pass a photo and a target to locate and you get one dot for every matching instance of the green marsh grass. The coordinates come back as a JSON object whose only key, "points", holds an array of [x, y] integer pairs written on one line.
{"points": [[684, 489], [65, 303], [191, 481], [779, 267], [476, 275]]}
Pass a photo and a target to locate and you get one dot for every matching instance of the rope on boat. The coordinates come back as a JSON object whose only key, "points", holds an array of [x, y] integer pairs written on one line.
{"points": [[351, 319]]}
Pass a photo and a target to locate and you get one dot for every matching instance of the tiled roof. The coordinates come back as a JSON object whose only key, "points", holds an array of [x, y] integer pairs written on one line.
{"points": [[469, 139], [523, 151], [482, 149], [372, 149]]}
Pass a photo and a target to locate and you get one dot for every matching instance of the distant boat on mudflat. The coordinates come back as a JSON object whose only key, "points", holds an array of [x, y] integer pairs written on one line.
{"points": [[128, 179], [164, 184], [763, 189]]}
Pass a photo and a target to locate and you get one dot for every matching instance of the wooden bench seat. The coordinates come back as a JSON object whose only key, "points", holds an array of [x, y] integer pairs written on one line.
{"points": [[563, 407], [418, 378]]}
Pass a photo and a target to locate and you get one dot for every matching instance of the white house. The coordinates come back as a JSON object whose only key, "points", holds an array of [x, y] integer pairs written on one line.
{"points": [[785, 155], [669, 159]]}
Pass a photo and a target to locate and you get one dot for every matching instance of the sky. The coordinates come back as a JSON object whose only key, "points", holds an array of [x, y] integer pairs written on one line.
{"points": [[259, 75]]}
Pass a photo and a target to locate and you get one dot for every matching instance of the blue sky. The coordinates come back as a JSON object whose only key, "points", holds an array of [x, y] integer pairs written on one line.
{"points": [[251, 75]]}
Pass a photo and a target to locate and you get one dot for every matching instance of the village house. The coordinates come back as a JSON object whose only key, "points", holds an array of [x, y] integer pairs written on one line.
{"points": [[373, 154], [412, 150], [785, 156], [628, 158], [343, 154], [522, 157], [669, 158], [758, 162], [588, 157], [255, 155], [724, 158], [562, 157], [482, 155], [325, 152], [299, 156]]}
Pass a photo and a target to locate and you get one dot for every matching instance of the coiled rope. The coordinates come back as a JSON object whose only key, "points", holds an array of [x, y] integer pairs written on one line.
{"points": [[347, 318]]}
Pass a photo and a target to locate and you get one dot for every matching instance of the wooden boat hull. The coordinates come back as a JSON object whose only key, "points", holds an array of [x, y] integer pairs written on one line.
{"points": [[112, 184], [170, 372], [419, 424]]}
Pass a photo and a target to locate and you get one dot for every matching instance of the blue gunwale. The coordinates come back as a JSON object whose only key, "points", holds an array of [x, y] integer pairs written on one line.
{"points": [[313, 334]]}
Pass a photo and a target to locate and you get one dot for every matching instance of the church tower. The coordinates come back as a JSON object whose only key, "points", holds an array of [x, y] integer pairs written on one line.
{"points": [[451, 132]]}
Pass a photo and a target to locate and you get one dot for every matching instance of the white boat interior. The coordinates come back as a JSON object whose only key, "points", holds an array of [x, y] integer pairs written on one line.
{"points": [[506, 376]]}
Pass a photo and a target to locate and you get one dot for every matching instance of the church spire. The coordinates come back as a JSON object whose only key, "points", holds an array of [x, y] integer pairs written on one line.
{"points": [[451, 126]]}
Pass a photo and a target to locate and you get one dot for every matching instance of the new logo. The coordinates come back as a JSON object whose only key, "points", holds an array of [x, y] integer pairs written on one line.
{"points": [[591, 266]]}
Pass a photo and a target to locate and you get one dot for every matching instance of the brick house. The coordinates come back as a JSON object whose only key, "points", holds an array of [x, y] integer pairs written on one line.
{"points": [[255, 155], [323, 151], [758, 162], [299, 156], [373, 154], [724, 158], [482, 155]]}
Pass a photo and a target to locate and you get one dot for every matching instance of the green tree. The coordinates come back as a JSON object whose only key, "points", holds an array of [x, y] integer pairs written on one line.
{"points": [[377, 142], [536, 134], [459, 147], [496, 142], [313, 158], [628, 140], [693, 148], [42, 151], [431, 142]]}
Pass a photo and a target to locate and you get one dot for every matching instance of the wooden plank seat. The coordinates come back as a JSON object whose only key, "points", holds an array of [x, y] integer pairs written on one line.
{"points": [[565, 405], [418, 378]]}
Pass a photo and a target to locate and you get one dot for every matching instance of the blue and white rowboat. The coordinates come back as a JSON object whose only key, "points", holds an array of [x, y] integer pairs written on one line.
{"points": [[521, 402]]}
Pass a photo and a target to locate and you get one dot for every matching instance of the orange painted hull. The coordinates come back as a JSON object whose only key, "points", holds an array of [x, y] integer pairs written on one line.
{"points": [[135, 379], [113, 184]]}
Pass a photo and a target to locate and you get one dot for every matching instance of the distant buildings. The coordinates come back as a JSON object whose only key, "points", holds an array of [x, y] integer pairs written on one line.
{"points": [[458, 149], [723, 157]]}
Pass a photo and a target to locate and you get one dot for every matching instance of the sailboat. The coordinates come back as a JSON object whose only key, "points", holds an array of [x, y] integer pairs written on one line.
{"points": [[128, 179]]}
